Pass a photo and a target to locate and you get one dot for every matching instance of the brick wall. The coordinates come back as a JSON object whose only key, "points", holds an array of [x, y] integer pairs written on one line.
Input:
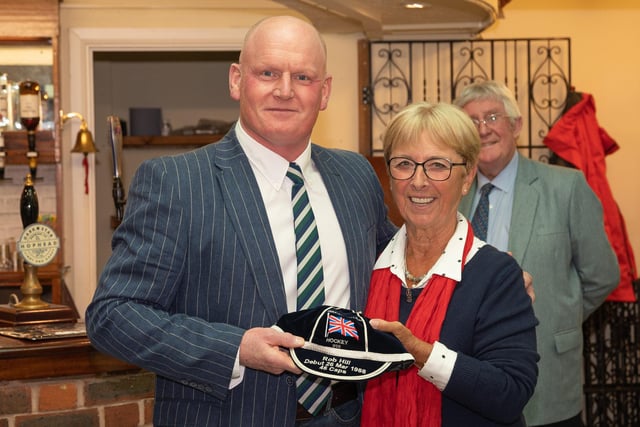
{"points": [[124, 400]]}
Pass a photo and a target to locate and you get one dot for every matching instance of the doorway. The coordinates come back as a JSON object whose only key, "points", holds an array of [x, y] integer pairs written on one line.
{"points": [[83, 225], [188, 88]]}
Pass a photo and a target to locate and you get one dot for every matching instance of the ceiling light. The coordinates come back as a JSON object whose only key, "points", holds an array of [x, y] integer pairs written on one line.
{"points": [[414, 5]]}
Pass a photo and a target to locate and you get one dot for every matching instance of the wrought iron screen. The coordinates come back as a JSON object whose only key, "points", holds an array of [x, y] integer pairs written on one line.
{"points": [[612, 364], [538, 71]]}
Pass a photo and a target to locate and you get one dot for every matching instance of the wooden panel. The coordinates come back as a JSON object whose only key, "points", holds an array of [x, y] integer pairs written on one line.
{"points": [[364, 108], [15, 143], [22, 19], [381, 170], [23, 359]]}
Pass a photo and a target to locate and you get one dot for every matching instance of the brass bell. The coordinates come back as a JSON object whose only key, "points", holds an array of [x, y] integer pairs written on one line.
{"points": [[84, 141]]}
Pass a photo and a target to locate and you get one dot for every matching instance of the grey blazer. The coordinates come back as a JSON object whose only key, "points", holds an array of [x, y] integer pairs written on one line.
{"points": [[557, 234], [194, 265]]}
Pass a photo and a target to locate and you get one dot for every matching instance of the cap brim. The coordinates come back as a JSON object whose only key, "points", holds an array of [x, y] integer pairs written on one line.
{"points": [[335, 364]]}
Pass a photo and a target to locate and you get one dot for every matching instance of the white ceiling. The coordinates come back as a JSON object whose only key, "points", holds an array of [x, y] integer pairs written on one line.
{"points": [[376, 19], [389, 19]]}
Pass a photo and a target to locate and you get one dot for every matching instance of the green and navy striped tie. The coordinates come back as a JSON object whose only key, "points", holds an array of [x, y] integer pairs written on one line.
{"points": [[313, 392]]}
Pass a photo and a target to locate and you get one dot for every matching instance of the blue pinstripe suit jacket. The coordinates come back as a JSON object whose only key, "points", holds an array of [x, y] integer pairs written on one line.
{"points": [[194, 265]]}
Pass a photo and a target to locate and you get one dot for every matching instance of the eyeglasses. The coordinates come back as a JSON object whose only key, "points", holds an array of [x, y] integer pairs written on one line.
{"points": [[436, 169], [489, 120]]}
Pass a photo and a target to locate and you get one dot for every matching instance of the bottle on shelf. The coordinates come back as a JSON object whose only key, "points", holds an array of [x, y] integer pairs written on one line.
{"points": [[6, 116], [14, 90], [6, 262], [166, 128], [30, 110], [6, 103], [2, 156], [47, 116]]}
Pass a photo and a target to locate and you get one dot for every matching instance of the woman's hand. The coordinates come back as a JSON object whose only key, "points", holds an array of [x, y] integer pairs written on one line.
{"points": [[420, 350]]}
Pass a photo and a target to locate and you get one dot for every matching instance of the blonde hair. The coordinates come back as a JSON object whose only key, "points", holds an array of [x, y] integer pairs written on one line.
{"points": [[444, 123]]}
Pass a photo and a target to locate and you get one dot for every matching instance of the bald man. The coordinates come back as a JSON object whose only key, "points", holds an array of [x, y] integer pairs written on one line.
{"points": [[204, 262]]}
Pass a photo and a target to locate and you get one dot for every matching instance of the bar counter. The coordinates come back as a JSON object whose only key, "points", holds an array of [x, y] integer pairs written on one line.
{"points": [[23, 359], [66, 381]]}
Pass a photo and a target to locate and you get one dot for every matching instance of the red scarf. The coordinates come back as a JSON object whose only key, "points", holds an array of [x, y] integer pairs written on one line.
{"points": [[404, 398]]}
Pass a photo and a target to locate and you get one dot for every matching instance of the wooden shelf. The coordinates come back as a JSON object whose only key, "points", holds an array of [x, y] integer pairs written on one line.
{"points": [[170, 141], [15, 145]]}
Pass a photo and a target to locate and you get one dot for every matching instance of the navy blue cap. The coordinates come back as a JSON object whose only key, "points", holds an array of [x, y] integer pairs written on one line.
{"points": [[340, 344]]}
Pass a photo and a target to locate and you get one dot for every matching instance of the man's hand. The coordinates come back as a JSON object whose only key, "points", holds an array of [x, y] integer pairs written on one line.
{"points": [[528, 285], [265, 349]]}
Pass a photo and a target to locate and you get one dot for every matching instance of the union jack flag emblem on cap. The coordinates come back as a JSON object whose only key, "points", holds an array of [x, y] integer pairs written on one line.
{"points": [[342, 326]]}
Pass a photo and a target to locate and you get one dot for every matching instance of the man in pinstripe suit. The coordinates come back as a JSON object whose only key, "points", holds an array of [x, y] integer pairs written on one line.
{"points": [[204, 260]]}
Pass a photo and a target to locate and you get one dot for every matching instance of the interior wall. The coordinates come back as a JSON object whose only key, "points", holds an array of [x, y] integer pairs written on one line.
{"points": [[604, 65], [80, 16], [186, 86], [604, 37]]}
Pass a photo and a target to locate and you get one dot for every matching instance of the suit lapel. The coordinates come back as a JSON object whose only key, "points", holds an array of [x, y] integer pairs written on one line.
{"points": [[245, 207], [525, 204], [465, 204], [338, 190]]}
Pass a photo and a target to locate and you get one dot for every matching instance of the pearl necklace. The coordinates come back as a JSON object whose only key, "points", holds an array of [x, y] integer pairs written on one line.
{"points": [[413, 279]]}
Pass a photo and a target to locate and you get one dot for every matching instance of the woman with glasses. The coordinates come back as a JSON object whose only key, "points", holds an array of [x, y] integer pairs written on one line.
{"points": [[458, 305]]}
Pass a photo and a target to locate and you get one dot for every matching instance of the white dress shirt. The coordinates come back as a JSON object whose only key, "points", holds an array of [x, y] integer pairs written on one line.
{"points": [[500, 204], [270, 170]]}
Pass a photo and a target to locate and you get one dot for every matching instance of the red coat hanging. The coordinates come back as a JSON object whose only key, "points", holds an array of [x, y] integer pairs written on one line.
{"points": [[578, 139]]}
